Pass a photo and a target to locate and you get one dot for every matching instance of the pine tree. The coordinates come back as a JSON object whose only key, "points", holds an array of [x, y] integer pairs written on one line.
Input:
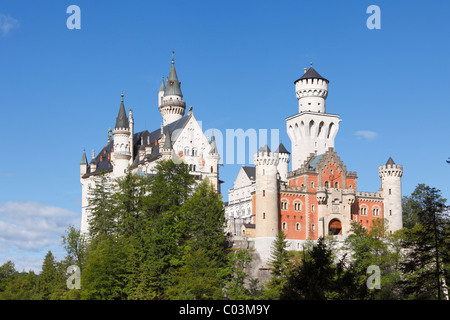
{"points": [[279, 268], [426, 244], [103, 217], [48, 276]]}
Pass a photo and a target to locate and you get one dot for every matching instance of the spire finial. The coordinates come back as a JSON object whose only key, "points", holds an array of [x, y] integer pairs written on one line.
{"points": [[173, 52], [310, 64], [122, 95]]}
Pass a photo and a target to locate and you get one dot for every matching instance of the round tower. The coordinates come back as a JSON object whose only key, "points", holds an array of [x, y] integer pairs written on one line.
{"points": [[283, 164], [121, 155], [171, 104], [391, 185], [311, 91], [266, 201]]}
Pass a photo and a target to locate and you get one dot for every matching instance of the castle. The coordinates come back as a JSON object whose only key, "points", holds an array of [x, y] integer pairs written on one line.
{"points": [[179, 138], [319, 196]]}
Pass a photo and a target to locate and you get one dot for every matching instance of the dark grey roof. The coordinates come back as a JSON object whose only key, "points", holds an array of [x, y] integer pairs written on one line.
{"points": [[390, 161], [152, 138], [83, 158], [168, 141], [281, 149], [173, 85], [264, 149], [163, 86], [122, 119], [250, 172], [213, 145], [311, 74]]}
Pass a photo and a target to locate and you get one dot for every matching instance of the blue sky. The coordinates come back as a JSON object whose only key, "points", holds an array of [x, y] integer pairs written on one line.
{"points": [[237, 60]]}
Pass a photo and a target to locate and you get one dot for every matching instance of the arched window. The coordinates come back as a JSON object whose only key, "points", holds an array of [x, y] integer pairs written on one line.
{"points": [[336, 185], [284, 226], [364, 211], [376, 211], [186, 151], [297, 226], [284, 204], [313, 208], [297, 205], [194, 152], [326, 184]]}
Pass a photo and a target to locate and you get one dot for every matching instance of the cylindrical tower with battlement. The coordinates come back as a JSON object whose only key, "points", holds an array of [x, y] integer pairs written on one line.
{"points": [[391, 184], [311, 91], [266, 201]]}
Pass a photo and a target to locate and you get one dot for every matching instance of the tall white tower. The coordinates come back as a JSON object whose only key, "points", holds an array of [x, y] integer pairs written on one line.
{"points": [[171, 103], [311, 130], [122, 153], [266, 201], [391, 184]]}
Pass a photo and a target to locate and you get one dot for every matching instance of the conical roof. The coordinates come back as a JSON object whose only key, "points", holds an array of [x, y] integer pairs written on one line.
{"points": [[163, 86], [390, 161], [281, 149], [83, 158], [264, 149], [167, 142], [173, 85], [213, 145], [311, 74], [122, 119]]}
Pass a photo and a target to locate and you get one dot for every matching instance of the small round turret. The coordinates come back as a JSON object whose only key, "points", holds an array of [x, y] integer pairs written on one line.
{"points": [[311, 91]]}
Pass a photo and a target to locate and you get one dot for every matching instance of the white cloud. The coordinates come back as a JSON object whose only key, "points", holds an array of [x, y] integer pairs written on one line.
{"points": [[7, 23], [30, 229], [365, 134]]}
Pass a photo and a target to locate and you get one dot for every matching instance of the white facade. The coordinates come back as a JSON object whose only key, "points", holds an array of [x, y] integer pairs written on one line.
{"points": [[238, 210], [311, 130], [179, 138]]}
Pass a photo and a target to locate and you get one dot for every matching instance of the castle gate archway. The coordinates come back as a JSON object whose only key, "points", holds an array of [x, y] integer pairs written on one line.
{"points": [[335, 227]]}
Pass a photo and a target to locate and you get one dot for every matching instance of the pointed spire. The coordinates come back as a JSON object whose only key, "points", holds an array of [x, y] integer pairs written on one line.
{"points": [[173, 85], [122, 119], [167, 142], [264, 149], [282, 149], [84, 158], [390, 161], [163, 86], [213, 144]]}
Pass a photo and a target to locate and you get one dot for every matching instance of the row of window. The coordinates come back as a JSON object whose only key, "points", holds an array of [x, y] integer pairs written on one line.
{"points": [[375, 211], [297, 205], [297, 226], [189, 152], [326, 184]]}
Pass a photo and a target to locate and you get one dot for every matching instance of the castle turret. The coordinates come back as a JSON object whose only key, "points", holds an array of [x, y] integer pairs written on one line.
{"points": [[167, 149], [83, 164], [312, 130], [213, 159], [121, 155], [283, 165], [391, 185], [266, 201], [311, 91], [172, 106]]}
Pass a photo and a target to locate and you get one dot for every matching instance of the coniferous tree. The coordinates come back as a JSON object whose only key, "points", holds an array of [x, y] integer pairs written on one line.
{"points": [[279, 268], [426, 246], [48, 276]]}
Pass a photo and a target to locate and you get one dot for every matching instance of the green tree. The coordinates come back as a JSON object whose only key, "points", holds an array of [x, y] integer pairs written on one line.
{"points": [[317, 277], [103, 216], [278, 268], [369, 248], [164, 230], [48, 278], [198, 278], [426, 244]]}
